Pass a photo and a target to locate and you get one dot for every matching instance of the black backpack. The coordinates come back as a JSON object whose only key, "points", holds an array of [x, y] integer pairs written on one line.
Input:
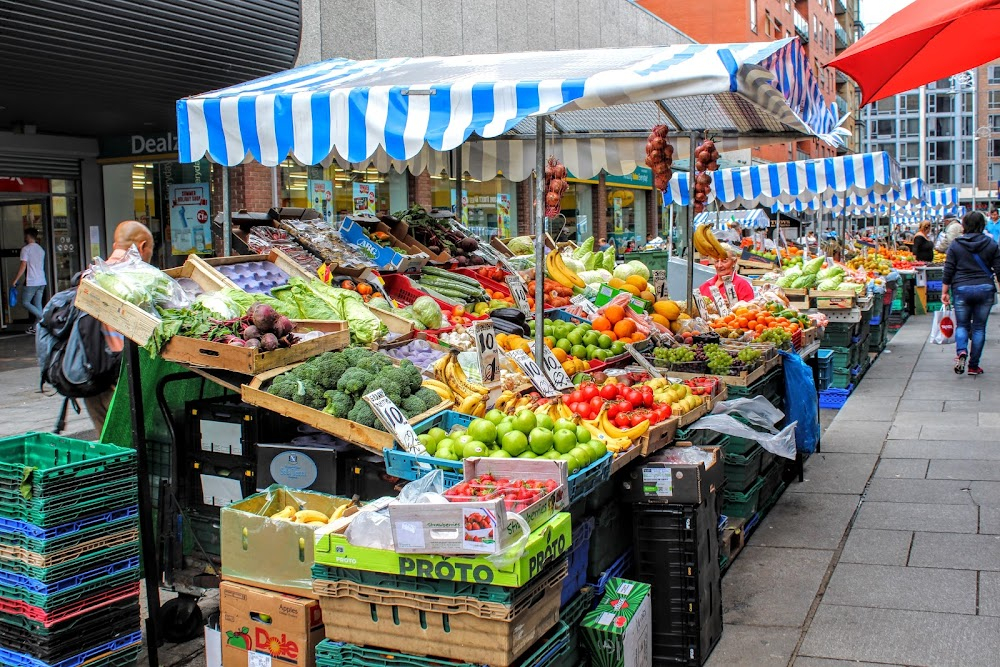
{"points": [[72, 354]]}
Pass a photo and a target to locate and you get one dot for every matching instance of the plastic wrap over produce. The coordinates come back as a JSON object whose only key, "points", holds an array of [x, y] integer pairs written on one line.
{"points": [[268, 537], [139, 283], [759, 412]]}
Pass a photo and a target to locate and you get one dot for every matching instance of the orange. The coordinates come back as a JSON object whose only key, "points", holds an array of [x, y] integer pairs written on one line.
{"points": [[550, 343], [601, 323], [624, 329], [637, 336], [625, 339], [611, 334], [559, 354], [615, 314]]}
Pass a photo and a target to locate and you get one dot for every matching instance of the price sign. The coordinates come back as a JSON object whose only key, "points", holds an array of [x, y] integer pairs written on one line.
{"points": [[486, 345], [395, 421], [727, 284], [519, 293], [507, 266], [721, 307], [698, 301], [534, 373], [659, 279], [554, 370], [586, 304], [642, 361]]}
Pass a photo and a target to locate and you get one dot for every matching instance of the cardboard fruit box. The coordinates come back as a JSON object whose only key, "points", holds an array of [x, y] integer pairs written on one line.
{"points": [[545, 545], [273, 553], [658, 480], [619, 631], [261, 627], [479, 526], [255, 393], [458, 633]]}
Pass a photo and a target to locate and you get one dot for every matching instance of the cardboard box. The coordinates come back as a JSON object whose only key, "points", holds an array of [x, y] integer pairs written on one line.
{"points": [[605, 293], [619, 632], [280, 629], [656, 480], [459, 632], [386, 258], [544, 547], [270, 553]]}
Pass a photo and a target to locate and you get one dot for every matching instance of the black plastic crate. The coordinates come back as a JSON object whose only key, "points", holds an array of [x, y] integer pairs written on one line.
{"points": [[226, 427], [690, 649], [611, 537], [194, 493], [68, 638], [742, 469]]}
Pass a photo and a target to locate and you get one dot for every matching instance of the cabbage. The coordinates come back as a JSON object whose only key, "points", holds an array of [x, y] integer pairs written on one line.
{"points": [[829, 284], [380, 303], [858, 288], [428, 312], [595, 276], [794, 272], [521, 245], [609, 259], [804, 281], [623, 271], [594, 260], [785, 281], [586, 247], [574, 264], [813, 266], [639, 269], [830, 272]]}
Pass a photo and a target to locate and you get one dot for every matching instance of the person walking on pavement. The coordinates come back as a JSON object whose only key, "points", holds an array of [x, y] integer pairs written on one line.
{"points": [[993, 226], [33, 269], [970, 269]]}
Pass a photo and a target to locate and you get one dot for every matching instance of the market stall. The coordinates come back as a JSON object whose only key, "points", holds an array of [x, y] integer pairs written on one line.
{"points": [[440, 355]]}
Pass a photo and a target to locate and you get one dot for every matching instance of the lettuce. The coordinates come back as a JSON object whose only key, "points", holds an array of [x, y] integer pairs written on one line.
{"points": [[609, 259], [639, 269]]}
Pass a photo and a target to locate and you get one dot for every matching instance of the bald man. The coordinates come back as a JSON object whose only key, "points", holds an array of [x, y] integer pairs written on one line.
{"points": [[127, 234]]}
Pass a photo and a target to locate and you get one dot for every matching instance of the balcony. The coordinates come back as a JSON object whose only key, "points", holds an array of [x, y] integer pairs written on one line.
{"points": [[842, 78], [841, 37], [843, 108], [801, 26], [840, 7]]}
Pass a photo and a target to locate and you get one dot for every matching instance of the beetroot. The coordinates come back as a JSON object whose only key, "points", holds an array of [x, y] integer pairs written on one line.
{"points": [[251, 332], [283, 326], [264, 317], [253, 343], [268, 342]]}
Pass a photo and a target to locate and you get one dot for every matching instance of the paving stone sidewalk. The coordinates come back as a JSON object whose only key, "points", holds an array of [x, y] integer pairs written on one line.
{"points": [[889, 552]]}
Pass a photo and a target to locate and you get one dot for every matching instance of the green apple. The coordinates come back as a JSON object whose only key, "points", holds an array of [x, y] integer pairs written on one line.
{"points": [[475, 448], [575, 336], [564, 440], [604, 342], [500, 454], [583, 434], [437, 434], [503, 428], [583, 455], [571, 462], [579, 351], [515, 443], [483, 430], [495, 416], [552, 455], [524, 421], [544, 421], [590, 338], [565, 423], [540, 440], [527, 454]]}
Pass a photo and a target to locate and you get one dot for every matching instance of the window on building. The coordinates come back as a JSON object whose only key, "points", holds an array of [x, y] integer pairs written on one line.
{"points": [[788, 6], [993, 147], [788, 34], [909, 103], [943, 127], [815, 25], [767, 23], [995, 172], [967, 149], [967, 125], [968, 104], [943, 84], [885, 128], [888, 148], [994, 78], [753, 16], [909, 151], [911, 172], [945, 103], [886, 106], [967, 173], [994, 123], [932, 151], [911, 128], [944, 150], [946, 173], [994, 99]]}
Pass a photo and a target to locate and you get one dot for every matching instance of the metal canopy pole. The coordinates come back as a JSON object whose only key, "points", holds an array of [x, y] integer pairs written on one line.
{"points": [[275, 200], [459, 182], [693, 138], [227, 218], [539, 239], [150, 563]]}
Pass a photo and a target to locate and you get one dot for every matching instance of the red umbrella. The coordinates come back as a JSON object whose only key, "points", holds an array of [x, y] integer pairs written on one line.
{"points": [[923, 42]]}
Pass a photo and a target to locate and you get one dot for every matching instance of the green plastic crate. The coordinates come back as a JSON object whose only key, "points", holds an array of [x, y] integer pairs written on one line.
{"points": [[43, 460], [125, 497], [14, 505], [53, 602], [742, 470], [843, 357], [742, 504], [339, 654], [73, 567], [842, 377]]}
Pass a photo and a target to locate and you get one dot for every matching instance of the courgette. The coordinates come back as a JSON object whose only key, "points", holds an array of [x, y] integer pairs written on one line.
{"points": [[441, 273]]}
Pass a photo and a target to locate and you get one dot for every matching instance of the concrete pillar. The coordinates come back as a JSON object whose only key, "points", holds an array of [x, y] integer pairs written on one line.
{"points": [[601, 208]]}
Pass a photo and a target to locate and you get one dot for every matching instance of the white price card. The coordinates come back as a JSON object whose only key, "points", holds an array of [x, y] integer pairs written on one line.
{"points": [[659, 281], [519, 292], [486, 345], [255, 659], [642, 361], [507, 266], [586, 304], [395, 421], [553, 369], [534, 373]]}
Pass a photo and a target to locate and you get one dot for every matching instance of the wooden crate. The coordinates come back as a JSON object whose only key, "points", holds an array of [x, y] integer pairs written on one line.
{"points": [[356, 434], [742, 380], [659, 436], [832, 299], [249, 361], [130, 320], [626, 457], [395, 323], [199, 270], [692, 416], [276, 257]]}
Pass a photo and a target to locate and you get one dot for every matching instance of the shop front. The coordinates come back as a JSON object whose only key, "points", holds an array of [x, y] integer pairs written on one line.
{"points": [[489, 208], [337, 192]]}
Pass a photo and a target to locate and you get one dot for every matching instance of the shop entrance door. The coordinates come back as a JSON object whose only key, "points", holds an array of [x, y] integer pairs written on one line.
{"points": [[16, 215]]}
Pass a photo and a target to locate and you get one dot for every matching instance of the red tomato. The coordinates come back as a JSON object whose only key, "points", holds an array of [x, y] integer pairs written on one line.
{"points": [[596, 403], [576, 396], [622, 420], [636, 419], [613, 410], [609, 391], [591, 391]]}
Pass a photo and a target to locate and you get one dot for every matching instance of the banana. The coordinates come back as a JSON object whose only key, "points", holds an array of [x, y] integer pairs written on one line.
{"points": [[717, 247], [285, 514], [339, 512], [615, 432], [439, 368], [440, 388], [459, 382], [469, 404], [504, 400], [613, 444], [305, 516], [567, 273], [480, 410], [564, 412], [702, 244]]}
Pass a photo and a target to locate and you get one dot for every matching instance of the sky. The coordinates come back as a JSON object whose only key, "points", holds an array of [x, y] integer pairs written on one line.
{"points": [[874, 12]]}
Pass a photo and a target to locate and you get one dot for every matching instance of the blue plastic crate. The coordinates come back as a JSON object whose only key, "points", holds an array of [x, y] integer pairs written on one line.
{"points": [[834, 399], [560, 314], [576, 578], [14, 659], [31, 530], [42, 588], [875, 321], [934, 285], [617, 569]]}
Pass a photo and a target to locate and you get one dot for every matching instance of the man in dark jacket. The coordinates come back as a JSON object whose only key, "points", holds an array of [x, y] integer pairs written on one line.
{"points": [[972, 262]]}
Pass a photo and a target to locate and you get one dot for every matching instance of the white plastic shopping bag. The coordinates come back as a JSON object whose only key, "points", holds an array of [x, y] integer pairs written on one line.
{"points": [[943, 327]]}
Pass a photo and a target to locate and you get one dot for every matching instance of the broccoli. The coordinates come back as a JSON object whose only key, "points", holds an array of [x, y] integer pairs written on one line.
{"points": [[325, 370], [403, 377], [354, 355], [429, 398], [412, 406], [338, 404], [293, 388], [354, 381], [413, 374], [386, 384], [362, 414], [374, 363]]}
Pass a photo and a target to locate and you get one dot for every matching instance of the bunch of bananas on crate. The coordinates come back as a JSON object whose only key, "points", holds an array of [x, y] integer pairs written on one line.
{"points": [[451, 384], [292, 514], [707, 245], [556, 269]]}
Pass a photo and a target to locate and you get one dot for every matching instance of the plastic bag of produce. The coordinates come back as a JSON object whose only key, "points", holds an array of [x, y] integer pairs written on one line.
{"points": [[759, 412], [139, 283]]}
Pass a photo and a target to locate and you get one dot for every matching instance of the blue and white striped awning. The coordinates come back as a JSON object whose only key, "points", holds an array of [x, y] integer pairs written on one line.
{"points": [[753, 218], [933, 215], [943, 197], [911, 191], [792, 182], [393, 112]]}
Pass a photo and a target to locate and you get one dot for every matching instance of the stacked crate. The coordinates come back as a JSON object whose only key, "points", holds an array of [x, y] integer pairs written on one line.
{"points": [[69, 553], [844, 340]]}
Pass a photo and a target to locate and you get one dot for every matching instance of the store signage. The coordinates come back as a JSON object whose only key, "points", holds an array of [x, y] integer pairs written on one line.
{"points": [[534, 373], [135, 145], [364, 199], [321, 198], [17, 184], [553, 369], [395, 421], [642, 177], [190, 219], [503, 215], [486, 345]]}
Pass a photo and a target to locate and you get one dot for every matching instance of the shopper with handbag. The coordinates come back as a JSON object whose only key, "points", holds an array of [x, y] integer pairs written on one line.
{"points": [[970, 269]]}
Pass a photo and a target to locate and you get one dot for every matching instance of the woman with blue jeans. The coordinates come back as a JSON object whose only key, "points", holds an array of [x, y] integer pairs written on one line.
{"points": [[972, 262]]}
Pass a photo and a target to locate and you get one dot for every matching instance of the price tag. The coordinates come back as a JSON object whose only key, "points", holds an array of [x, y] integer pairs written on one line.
{"points": [[395, 421], [534, 373], [642, 361], [586, 304], [507, 266], [519, 292], [721, 307], [727, 284], [699, 301], [554, 370], [660, 284], [486, 345]]}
